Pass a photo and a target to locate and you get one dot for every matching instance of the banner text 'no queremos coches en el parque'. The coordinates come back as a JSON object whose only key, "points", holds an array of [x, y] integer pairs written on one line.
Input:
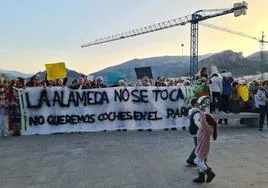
{"points": [[57, 109]]}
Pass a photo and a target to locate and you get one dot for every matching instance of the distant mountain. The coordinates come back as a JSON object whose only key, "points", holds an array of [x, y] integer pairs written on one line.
{"points": [[175, 66], [14, 74], [257, 56], [3, 76], [168, 66], [231, 61], [234, 62]]}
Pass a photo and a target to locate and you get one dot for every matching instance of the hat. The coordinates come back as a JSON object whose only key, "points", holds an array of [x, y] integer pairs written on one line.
{"points": [[99, 78], [90, 78], [20, 79], [121, 81], [242, 82], [203, 102], [186, 82], [202, 99], [226, 74]]}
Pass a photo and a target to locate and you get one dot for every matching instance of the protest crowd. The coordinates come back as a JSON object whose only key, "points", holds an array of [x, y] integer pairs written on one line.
{"points": [[228, 95]]}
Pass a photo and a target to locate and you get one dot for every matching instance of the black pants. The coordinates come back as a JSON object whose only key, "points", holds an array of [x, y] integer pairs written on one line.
{"points": [[225, 103], [263, 112], [234, 106], [216, 101], [192, 154]]}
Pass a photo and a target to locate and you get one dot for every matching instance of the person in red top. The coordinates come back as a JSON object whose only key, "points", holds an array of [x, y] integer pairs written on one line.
{"points": [[207, 129]]}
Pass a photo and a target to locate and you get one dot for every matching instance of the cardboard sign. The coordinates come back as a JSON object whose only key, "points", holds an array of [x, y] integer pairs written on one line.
{"points": [[56, 70], [243, 92], [144, 71], [114, 77]]}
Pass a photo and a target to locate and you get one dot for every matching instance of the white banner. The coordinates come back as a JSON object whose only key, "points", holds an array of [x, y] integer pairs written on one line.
{"points": [[57, 109]]}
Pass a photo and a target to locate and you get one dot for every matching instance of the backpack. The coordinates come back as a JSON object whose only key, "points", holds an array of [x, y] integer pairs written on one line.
{"points": [[193, 128]]}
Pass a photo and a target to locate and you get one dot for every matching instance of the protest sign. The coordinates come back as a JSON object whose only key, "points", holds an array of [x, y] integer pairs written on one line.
{"points": [[243, 92], [114, 77], [56, 70], [144, 71]]}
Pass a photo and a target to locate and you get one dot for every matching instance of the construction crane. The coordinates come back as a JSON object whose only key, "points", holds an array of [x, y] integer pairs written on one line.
{"points": [[200, 15], [260, 40]]}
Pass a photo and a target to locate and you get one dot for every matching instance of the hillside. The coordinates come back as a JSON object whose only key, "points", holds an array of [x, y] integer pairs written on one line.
{"points": [[257, 56], [233, 62], [174, 66], [14, 74], [169, 66]]}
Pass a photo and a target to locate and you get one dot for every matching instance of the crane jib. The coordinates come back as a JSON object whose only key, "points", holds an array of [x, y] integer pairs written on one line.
{"points": [[238, 9]]}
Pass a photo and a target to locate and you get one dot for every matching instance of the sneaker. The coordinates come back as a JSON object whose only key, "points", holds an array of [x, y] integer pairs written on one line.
{"points": [[260, 129], [190, 163]]}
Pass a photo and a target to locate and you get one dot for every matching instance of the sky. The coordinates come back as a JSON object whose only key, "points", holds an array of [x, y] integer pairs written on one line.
{"points": [[33, 33]]}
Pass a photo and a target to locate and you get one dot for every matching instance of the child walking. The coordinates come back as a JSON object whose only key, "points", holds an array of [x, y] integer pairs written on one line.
{"points": [[3, 114], [193, 129], [207, 129]]}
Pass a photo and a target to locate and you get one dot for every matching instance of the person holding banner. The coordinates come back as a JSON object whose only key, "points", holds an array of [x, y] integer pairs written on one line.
{"points": [[15, 114], [34, 81], [122, 83], [80, 84], [146, 81], [4, 104], [171, 82], [100, 82], [88, 84], [160, 81]]}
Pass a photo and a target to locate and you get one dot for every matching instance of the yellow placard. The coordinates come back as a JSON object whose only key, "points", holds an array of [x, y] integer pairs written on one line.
{"points": [[243, 92], [56, 70]]}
